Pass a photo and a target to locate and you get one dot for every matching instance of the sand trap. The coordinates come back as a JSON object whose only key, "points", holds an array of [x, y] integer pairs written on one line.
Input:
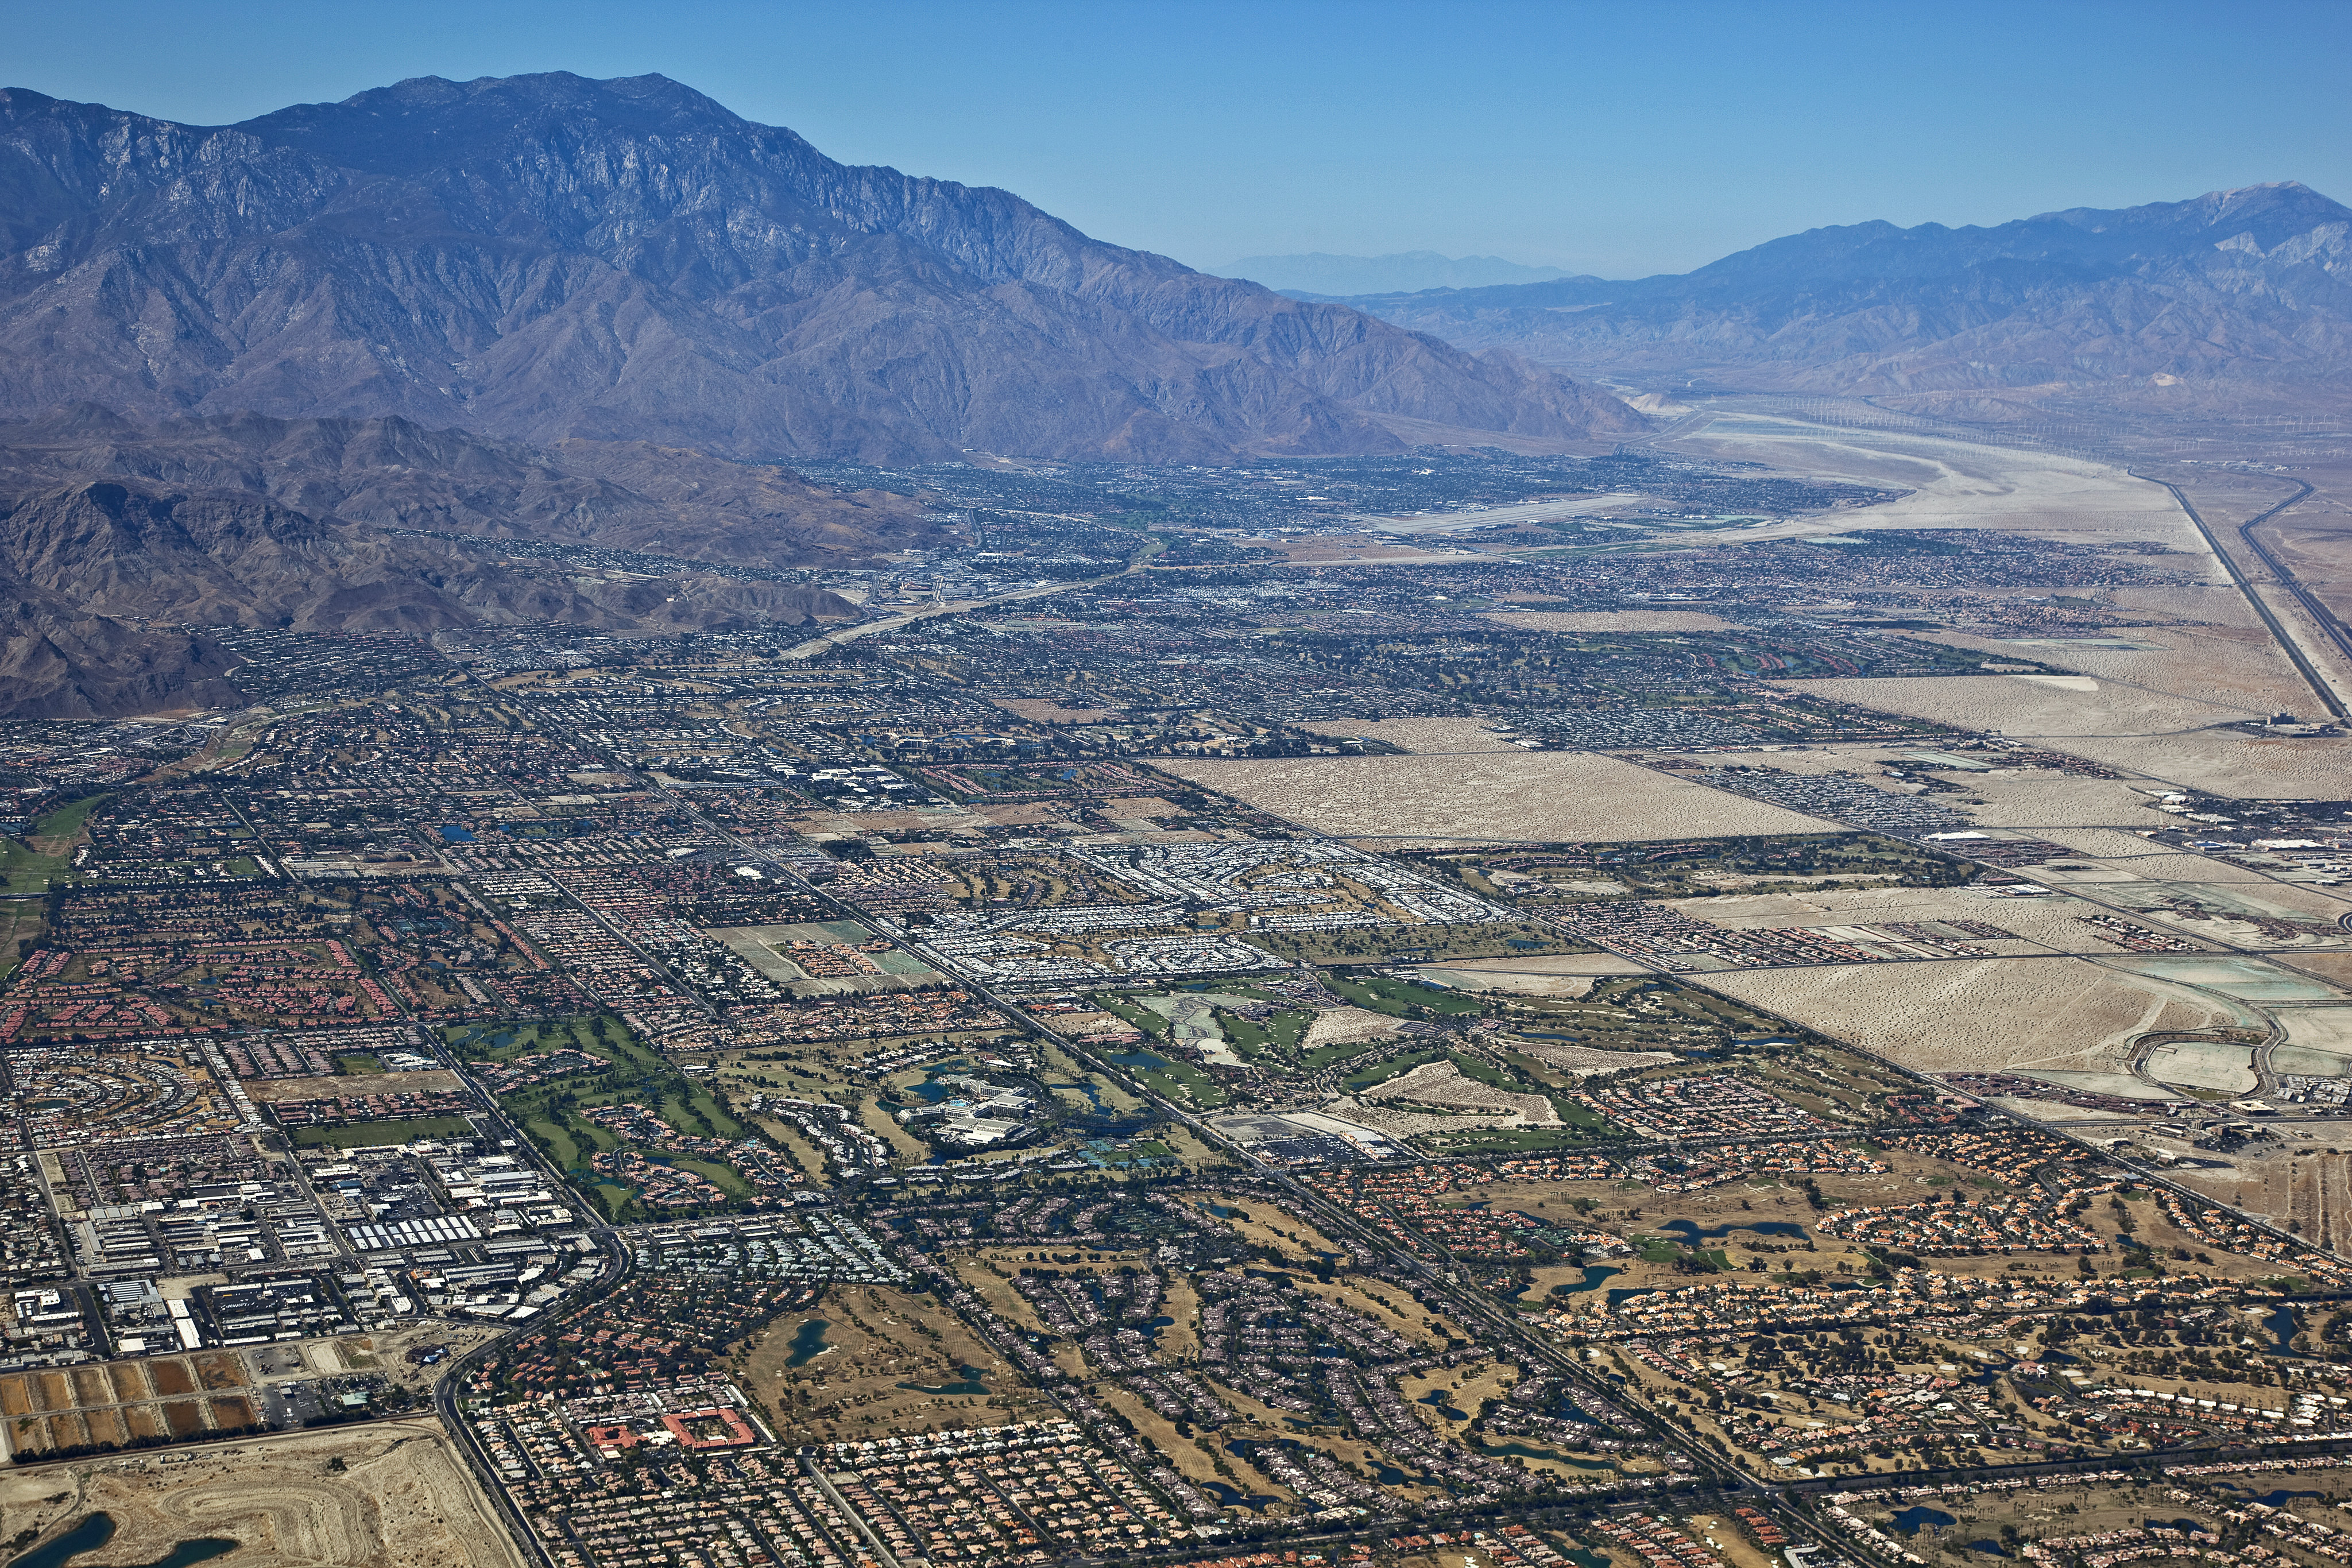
{"points": [[1526, 797], [1986, 1015]]}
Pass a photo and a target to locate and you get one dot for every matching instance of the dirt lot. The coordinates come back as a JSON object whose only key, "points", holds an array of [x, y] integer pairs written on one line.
{"points": [[1534, 797], [403, 1499]]}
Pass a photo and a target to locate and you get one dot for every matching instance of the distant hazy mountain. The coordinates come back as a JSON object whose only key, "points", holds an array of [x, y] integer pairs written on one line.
{"points": [[548, 258], [1405, 272], [2235, 294]]}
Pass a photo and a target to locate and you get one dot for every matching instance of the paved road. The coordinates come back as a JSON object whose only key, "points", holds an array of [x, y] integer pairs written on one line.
{"points": [[2320, 687]]}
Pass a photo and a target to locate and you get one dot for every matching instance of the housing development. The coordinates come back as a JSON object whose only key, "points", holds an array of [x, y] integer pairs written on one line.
{"points": [[1277, 1037]]}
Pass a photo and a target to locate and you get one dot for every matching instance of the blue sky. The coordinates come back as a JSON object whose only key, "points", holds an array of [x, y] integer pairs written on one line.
{"points": [[1621, 139]]}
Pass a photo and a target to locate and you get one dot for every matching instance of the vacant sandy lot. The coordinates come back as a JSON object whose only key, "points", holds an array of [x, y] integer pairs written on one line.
{"points": [[2153, 733], [1553, 964], [1510, 982], [1520, 797], [2051, 708], [403, 1500], [1442, 1084], [2229, 666], [1992, 1013], [2053, 922], [2109, 843], [2037, 800]]}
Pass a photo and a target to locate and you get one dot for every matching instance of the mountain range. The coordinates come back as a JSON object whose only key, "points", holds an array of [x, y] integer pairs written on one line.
{"points": [[2237, 298], [312, 371], [1321, 276], [548, 257]]}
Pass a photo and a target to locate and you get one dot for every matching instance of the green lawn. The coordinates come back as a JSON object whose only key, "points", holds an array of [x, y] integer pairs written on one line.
{"points": [[373, 1134], [29, 870], [1182, 1080], [1402, 999], [1380, 1073], [1508, 1140], [1283, 1033], [550, 1113], [1324, 1055], [725, 1177], [1153, 1026]]}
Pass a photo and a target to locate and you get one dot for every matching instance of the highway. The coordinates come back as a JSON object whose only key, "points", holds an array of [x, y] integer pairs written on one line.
{"points": [[2320, 686]]}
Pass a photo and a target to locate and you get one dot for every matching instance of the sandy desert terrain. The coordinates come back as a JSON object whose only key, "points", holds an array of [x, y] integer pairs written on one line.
{"points": [[2153, 733], [1525, 797], [1981, 1016]]}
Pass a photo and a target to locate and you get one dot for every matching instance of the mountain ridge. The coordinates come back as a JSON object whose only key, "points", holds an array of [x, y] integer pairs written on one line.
{"points": [[548, 257], [2250, 286]]}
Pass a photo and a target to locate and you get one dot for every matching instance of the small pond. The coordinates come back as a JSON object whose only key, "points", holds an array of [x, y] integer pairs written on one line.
{"points": [[970, 1384], [808, 1342], [96, 1531], [1910, 1520]]}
